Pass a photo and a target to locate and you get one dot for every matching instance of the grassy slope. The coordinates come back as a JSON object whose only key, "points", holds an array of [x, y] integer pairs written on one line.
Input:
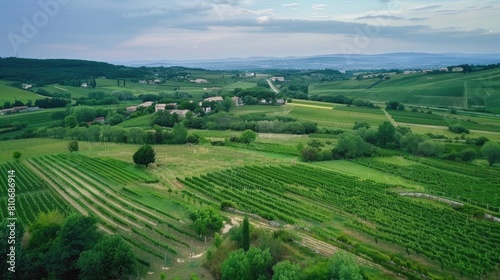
{"points": [[11, 94]]}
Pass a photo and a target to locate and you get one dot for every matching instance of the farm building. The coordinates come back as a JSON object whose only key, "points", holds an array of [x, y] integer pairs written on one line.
{"points": [[160, 107], [181, 113], [279, 79], [237, 101], [214, 99], [26, 86], [131, 109]]}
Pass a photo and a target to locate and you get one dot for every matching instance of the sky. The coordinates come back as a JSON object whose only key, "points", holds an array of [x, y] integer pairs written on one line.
{"points": [[140, 30]]}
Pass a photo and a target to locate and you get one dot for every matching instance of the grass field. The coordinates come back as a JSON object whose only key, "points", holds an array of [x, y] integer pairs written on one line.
{"points": [[11, 94], [447, 89]]}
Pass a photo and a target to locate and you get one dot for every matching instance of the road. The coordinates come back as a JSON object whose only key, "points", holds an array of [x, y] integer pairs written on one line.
{"points": [[393, 122], [271, 85]]}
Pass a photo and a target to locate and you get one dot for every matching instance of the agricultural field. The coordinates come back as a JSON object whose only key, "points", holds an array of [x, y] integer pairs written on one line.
{"points": [[11, 94], [398, 213], [477, 89]]}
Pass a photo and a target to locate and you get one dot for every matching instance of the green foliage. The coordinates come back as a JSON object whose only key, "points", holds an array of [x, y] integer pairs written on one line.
{"points": [[73, 146], [70, 121], [236, 266], [362, 124], [491, 151], [248, 136], [386, 135], [179, 134], [468, 155], [351, 145], [309, 154], [428, 148], [260, 261], [286, 270], [77, 234], [110, 258], [16, 155], [84, 113], [246, 234], [206, 221], [343, 266], [457, 128], [145, 155]]}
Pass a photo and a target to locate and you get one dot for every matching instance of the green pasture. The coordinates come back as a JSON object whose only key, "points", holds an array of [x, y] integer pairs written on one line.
{"points": [[11, 94], [329, 118]]}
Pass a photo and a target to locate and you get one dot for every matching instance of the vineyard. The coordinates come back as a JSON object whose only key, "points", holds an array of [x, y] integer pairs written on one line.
{"points": [[300, 195], [97, 187], [463, 182], [32, 194]]}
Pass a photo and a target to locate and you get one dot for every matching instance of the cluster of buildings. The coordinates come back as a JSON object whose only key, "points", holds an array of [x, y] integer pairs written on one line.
{"points": [[19, 109]]}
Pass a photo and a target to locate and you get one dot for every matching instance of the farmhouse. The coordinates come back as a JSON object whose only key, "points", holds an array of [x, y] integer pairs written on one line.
{"points": [[457, 69], [199, 81], [145, 104], [237, 101], [160, 107], [84, 85], [131, 109], [279, 79], [181, 113], [214, 99], [26, 86]]}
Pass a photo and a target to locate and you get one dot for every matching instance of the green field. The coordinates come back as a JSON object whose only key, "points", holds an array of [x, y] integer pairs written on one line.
{"points": [[11, 94], [364, 205], [477, 89]]}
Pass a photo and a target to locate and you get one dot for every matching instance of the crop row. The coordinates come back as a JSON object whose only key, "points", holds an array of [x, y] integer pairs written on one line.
{"points": [[447, 236], [443, 182], [96, 201]]}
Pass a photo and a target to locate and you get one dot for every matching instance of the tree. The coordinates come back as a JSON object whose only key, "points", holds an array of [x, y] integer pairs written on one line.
{"points": [[386, 133], [491, 150], [236, 266], [246, 234], [16, 155], [179, 134], [248, 136], [468, 154], [392, 105], [309, 154], [428, 148], [77, 234], [145, 155], [206, 221], [286, 270], [351, 145], [70, 121], [260, 261], [110, 258], [73, 146], [343, 266]]}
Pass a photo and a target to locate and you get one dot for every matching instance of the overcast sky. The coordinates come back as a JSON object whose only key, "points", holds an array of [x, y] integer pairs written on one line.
{"points": [[128, 30]]}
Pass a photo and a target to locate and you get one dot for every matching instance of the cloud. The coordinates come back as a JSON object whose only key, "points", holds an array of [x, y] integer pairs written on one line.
{"points": [[263, 19], [255, 12], [291, 5], [429, 7], [319, 6], [384, 17]]}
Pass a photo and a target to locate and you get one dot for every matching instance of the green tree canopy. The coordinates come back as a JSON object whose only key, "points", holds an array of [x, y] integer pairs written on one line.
{"points": [[70, 121], [145, 155], [73, 146], [248, 136], [206, 221], [386, 134], [286, 270], [344, 267], [236, 266], [16, 155], [110, 258], [491, 150]]}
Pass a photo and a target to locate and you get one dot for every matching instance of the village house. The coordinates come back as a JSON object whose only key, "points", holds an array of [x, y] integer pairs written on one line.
{"points": [[131, 109], [84, 85], [26, 86], [160, 107], [457, 69], [237, 101], [279, 79], [180, 113], [199, 81]]}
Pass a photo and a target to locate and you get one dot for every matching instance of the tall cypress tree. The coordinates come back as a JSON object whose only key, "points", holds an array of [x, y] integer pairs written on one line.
{"points": [[246, 234]]}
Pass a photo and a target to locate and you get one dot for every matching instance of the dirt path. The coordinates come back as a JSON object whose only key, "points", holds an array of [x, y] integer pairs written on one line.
{"points": [[70, 196], [389, 117]]}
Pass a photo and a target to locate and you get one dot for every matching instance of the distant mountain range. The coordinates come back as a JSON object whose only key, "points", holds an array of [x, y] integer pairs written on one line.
{"points": [[334, 61]]}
